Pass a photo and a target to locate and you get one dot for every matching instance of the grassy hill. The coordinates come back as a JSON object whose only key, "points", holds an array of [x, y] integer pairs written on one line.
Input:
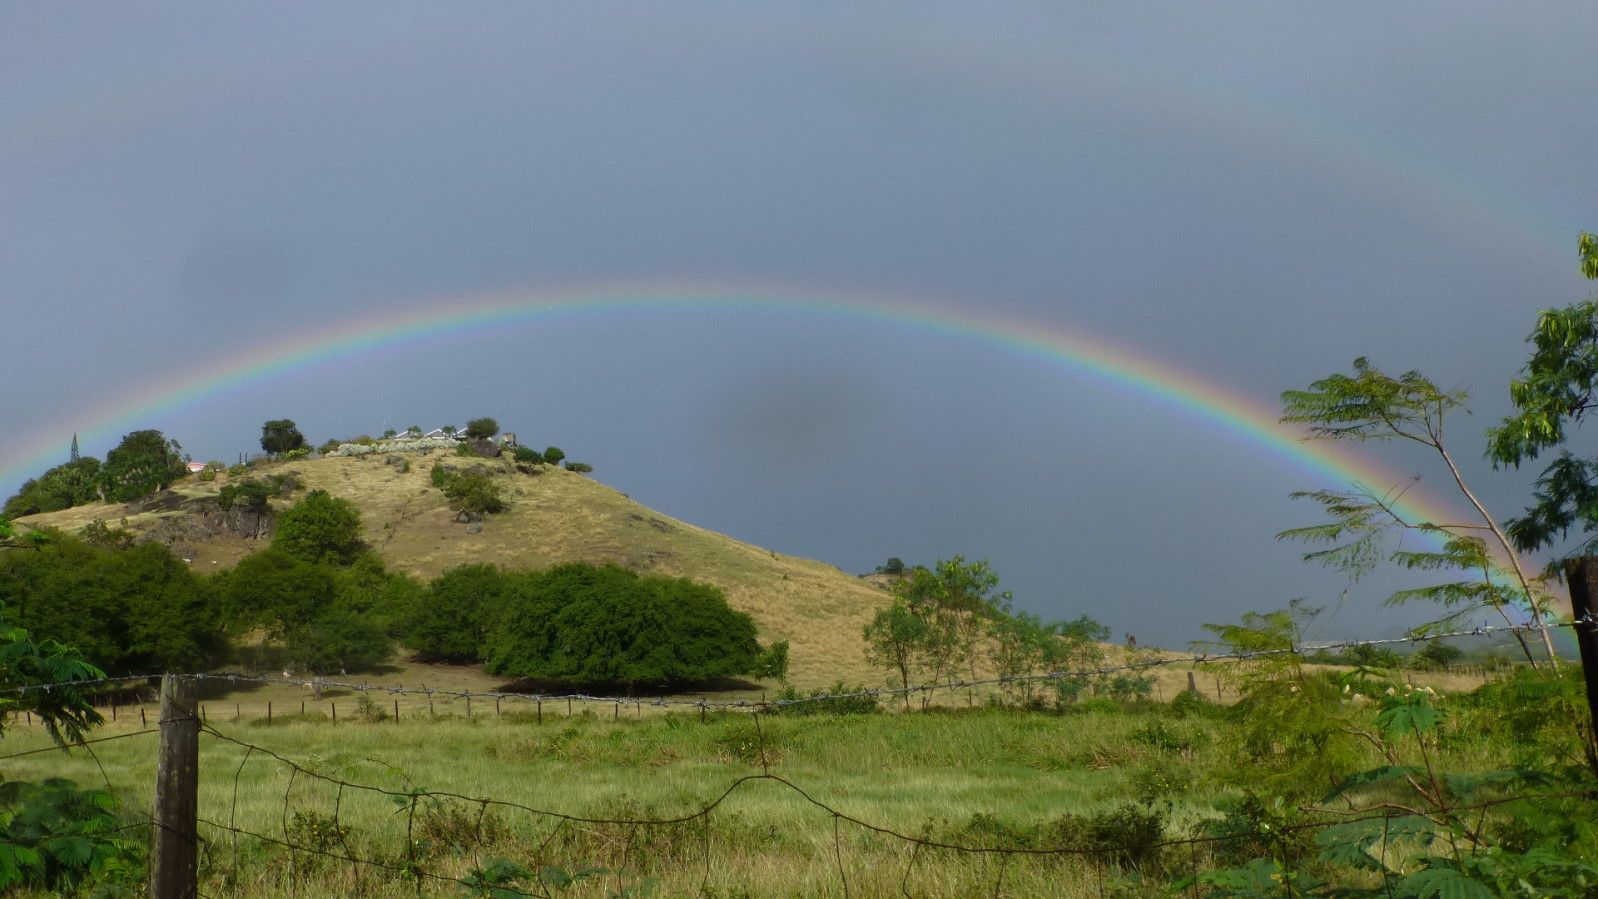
{"points": [[555, 516]]}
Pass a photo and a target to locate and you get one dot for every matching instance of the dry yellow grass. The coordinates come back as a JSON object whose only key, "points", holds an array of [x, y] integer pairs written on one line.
{"points": [[557, 516]]}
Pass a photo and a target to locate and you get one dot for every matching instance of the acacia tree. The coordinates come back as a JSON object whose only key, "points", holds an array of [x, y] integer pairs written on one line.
{"points": [[281, 435], [1371, 405], [1556, 389], [893, 641]]}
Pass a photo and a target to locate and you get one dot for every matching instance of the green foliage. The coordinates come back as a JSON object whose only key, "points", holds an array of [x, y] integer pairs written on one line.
{"points": [[59, 837], [320, 528], [451, 620], [62, 487], [838, 701], [473, 492], [102, 536], [439, 475], [585, 624], [772, 663], [1436, 654], [127, 608], [24, 662], [482, 428], [275, 591], [1371, 405], [389, 434], [337, 639], [1289, 729], [1554, 393], [553, 455], [893, 638], [144, 462], [894, 565], [579, 467], [526, 454], [327, 618], [250, 493], [280, 436]]}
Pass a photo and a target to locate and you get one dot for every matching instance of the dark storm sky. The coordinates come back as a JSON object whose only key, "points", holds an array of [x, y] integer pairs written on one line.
{"points": [[1252, 193]]}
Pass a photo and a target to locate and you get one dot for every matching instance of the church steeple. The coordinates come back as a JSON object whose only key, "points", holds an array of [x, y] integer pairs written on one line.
{"points": [[74, 446]]}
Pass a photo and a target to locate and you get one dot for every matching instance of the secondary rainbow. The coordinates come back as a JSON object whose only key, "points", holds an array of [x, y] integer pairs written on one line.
{"points": [[1118, 367]]}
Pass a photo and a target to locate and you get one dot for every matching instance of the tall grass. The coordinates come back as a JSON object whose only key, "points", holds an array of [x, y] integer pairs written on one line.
{"points": [[979, 777]]}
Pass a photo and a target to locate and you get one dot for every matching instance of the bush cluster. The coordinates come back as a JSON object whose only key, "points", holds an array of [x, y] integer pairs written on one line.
{"points": [[581, 623]]}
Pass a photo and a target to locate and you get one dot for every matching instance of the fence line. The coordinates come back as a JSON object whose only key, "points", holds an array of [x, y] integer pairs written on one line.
{"points": [[1101, 855], [1194, 659]]}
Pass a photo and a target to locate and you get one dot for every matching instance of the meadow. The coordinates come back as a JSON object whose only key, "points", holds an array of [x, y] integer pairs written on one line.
{"points": [[1113, 780]]}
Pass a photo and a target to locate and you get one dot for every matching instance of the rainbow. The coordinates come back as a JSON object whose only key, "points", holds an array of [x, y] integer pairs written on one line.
{"points": [[1120, 368]]}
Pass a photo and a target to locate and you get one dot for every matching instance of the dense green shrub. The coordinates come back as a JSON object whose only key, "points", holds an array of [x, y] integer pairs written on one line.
{"points": [[553, 455], [250, 493], [132, 609], [579, 467], [834, 700], [474, 493], [325, 618], [581, 623], [62, 487], [526, 454], [439, 475], [450, 620], [320, 528]]}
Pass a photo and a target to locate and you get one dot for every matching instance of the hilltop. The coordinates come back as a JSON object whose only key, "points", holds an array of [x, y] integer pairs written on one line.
{"points": [[554, 516]]}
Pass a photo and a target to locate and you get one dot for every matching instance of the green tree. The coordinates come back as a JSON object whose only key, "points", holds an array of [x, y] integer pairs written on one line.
{"points": [[553, 455], [453, 618], [144, 462], [893, 640], [1554, 392], [320, 528], [584, 624], [894, 565], [482, 428], [280, 436], [126, 608], [1437, 654], [1371, 405], [62, 487], [956, 598]]}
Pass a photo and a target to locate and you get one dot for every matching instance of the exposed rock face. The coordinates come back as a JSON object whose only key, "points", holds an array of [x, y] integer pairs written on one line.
{"points": [[162, 501], [488, 449], [207, 520]]}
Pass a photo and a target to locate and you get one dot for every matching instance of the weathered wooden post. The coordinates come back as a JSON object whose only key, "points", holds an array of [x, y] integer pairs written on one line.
{"points": [[173, 854], [1581, 575], [396, 711], [1192, 684]]}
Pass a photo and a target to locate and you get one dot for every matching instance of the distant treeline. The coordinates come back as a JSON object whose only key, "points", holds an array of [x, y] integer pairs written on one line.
{"points": [[322, 602]]}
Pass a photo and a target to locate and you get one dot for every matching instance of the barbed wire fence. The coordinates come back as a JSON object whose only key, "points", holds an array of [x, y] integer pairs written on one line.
{"points": [[199, 838]]}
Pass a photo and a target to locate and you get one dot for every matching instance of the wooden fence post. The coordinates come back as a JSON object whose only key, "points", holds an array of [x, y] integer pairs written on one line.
{"points": [[173, 854], [1581, 575]]}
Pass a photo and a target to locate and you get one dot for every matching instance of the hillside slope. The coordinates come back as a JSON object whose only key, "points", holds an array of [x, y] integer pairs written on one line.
{"points": [[555, 516]]}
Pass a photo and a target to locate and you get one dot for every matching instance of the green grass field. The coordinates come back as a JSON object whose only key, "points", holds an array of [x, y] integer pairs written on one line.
{"points": [[980, 777]]}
